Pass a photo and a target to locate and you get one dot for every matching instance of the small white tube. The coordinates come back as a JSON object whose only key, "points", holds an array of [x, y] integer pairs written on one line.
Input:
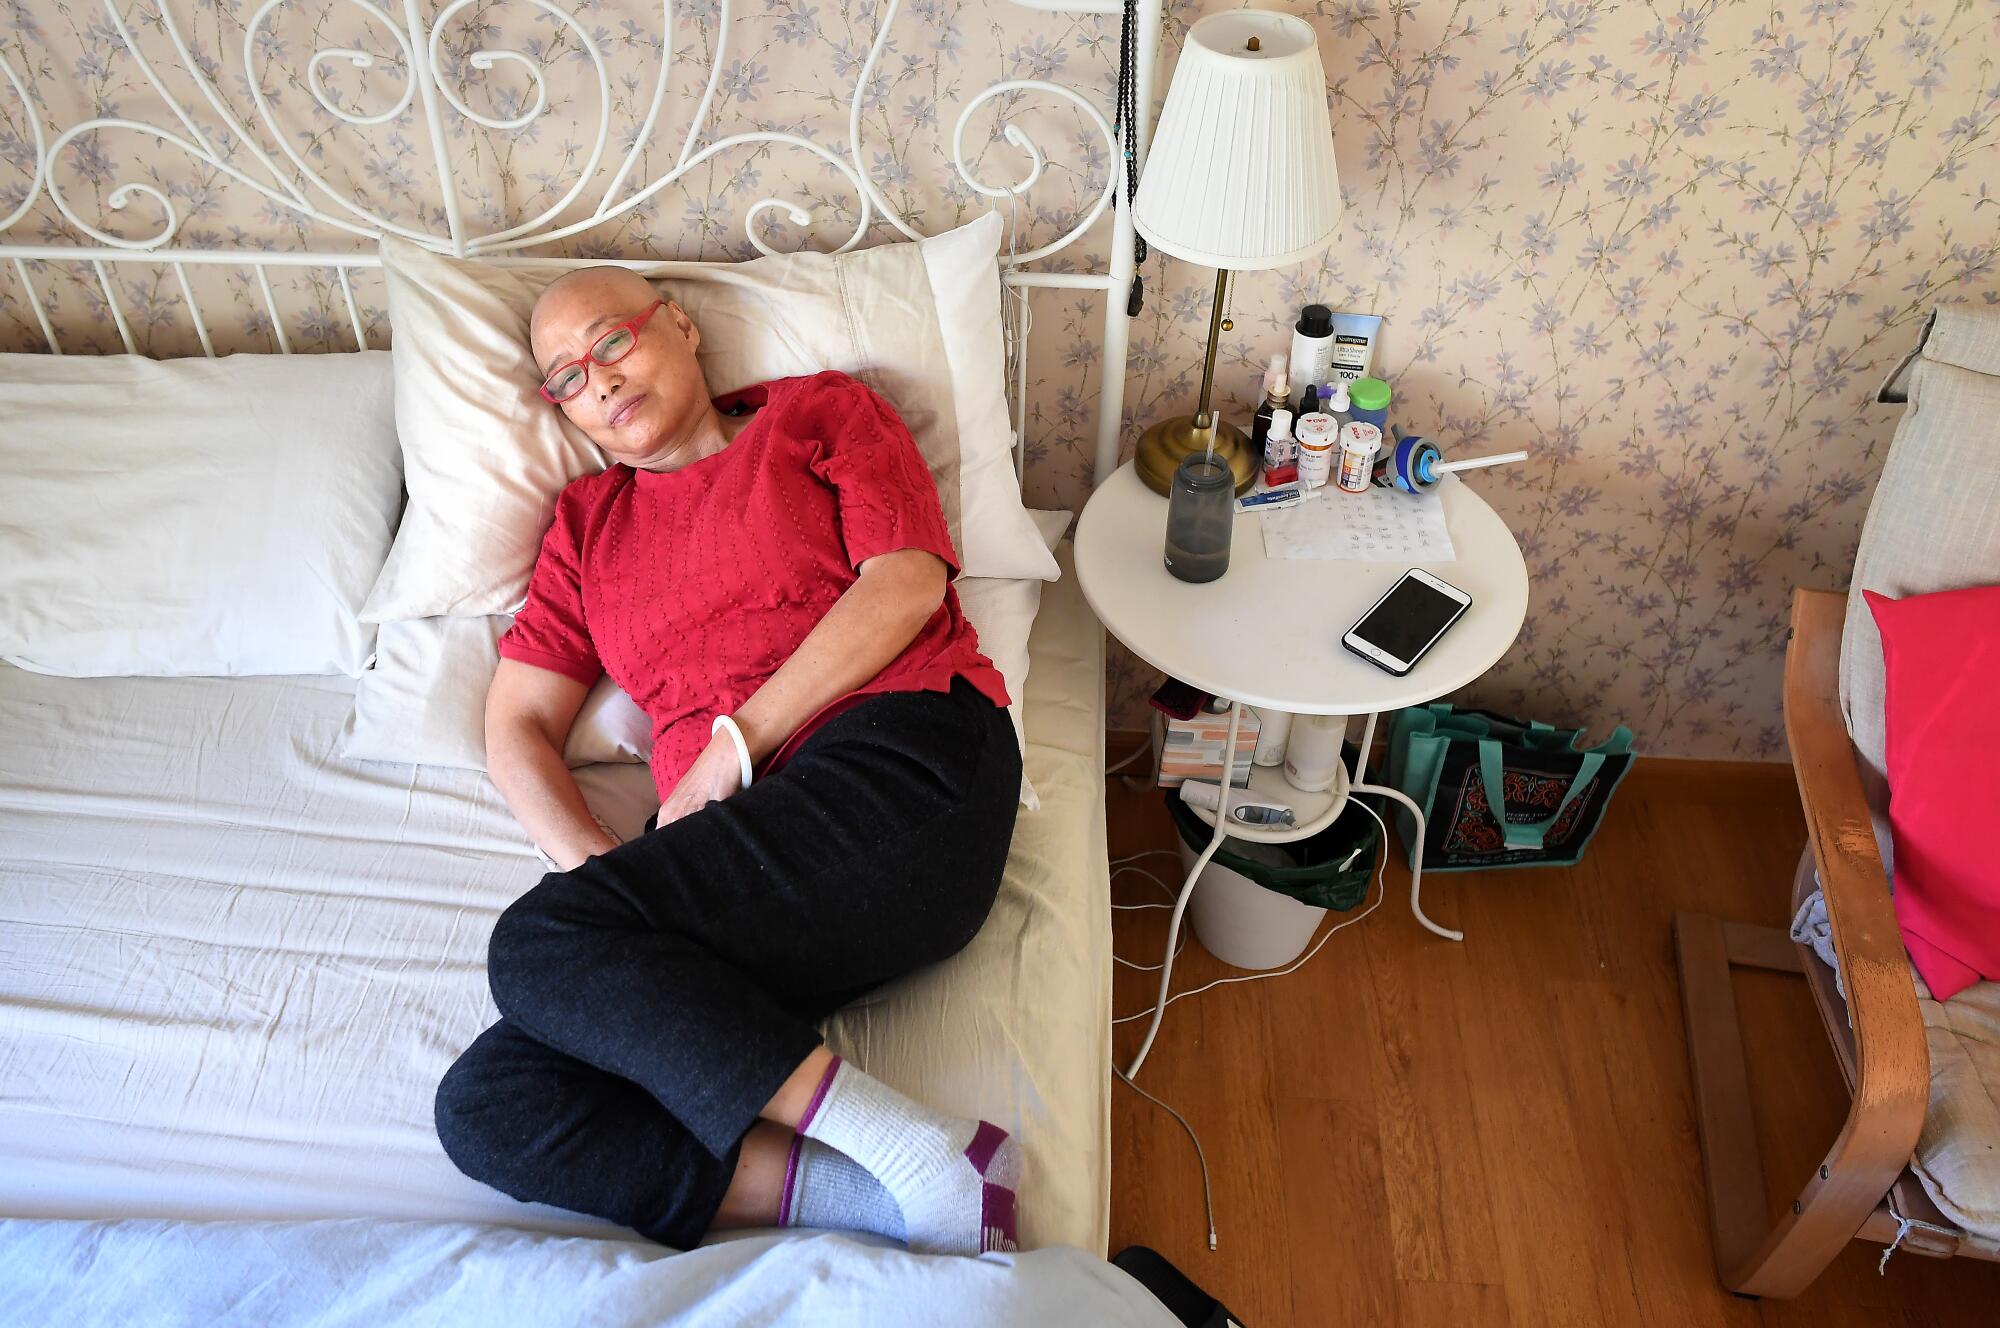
{"points": [[1474, 463]]}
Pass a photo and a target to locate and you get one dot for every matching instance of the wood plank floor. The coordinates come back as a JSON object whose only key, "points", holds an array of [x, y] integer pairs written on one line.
{"points": [[1409, 1131]]}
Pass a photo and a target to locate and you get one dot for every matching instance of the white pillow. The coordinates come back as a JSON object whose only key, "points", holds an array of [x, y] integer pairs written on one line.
{"points": [[167, 518], [485, 456], [1002, 611], [424, 702]]}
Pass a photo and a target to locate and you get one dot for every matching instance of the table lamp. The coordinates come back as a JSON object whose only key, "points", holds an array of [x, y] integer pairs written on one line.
{"points": [[1240, 175]]}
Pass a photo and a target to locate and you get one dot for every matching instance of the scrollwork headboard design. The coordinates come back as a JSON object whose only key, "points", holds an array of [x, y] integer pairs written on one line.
{"points": [[239, 105]]}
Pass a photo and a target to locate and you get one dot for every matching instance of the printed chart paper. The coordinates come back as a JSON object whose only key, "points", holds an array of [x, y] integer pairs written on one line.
{"points": [[1379, 526]]}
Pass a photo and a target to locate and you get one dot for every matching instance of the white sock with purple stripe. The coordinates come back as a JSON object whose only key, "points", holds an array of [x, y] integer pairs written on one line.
{"points": [[826, 1189], [954, 1179]]}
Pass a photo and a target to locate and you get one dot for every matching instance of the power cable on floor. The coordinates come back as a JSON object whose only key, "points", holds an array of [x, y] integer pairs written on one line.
{"points": [[1207, 1199], [1380, 892]]}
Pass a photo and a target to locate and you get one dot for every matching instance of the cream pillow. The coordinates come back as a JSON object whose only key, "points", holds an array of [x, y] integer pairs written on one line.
{"points": [[424, 702], [485, 456], [1002, 611]]}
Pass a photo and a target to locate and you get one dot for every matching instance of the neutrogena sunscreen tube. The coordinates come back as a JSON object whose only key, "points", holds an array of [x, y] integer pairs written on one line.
{"points": [[1354, 344]]}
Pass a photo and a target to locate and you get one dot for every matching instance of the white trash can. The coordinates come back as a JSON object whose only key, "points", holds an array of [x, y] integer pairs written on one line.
{"points": [[1240, 922]]}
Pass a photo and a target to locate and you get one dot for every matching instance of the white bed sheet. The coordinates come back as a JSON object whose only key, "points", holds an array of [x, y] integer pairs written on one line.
{"points": [[363, 1274], [234, 964]]}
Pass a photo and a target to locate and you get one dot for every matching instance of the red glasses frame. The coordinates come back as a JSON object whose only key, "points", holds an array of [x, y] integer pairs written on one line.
{"points": [[592, 357]]}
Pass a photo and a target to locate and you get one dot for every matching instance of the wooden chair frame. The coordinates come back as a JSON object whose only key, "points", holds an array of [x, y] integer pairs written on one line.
{"points": [[1877, 1030]]}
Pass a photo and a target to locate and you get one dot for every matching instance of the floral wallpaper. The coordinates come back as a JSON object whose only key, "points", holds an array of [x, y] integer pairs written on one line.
{"points": [[1669, 249]]}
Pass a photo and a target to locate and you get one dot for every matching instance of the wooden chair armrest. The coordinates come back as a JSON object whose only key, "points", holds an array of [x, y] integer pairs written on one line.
{"points": [[1892, 1062], [1851, 874]]}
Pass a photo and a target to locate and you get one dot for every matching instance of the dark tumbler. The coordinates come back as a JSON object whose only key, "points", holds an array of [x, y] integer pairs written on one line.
{"points": [[1201, 509]]}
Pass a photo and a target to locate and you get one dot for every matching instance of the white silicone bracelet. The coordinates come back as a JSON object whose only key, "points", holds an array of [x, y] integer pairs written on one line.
{"points": [[736, 736]]}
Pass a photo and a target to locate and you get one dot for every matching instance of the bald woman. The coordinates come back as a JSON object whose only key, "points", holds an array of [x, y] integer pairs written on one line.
{"points": [[769, 576]]}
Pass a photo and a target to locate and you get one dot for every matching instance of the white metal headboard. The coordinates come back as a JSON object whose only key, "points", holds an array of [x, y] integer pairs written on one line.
{"points": [[295, 187]]}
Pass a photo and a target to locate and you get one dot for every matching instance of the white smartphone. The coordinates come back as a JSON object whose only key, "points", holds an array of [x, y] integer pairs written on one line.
{"points": [[1407, 621]]}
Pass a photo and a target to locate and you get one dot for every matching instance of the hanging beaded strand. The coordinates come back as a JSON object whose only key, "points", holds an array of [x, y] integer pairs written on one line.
{"points": [[1128, 139]]}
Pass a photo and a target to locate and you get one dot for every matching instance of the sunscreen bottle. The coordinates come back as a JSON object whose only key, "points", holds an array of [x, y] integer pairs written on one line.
{"points": [[1312, 346]]}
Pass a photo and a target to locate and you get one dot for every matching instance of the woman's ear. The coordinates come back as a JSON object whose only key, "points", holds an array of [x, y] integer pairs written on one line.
{"points": [[689, 332]]}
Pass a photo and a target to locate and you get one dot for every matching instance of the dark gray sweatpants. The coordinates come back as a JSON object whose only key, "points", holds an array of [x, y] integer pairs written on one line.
{"points": [[654, 998]]}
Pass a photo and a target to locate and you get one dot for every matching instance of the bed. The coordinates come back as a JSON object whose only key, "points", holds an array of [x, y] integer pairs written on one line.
{"points": [[242, 1007], [235, 959], [242, 1010]]}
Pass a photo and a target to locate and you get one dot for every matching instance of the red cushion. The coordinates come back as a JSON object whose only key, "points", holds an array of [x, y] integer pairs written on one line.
{"points": [[1941, 714]]}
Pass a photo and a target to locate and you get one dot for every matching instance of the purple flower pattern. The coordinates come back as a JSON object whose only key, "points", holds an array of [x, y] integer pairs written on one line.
{"points": [[1670, 249]]}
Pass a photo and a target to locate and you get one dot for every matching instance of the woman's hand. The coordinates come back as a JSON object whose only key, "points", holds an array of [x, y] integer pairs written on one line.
{"points": [[715, 774], [893, 596]]}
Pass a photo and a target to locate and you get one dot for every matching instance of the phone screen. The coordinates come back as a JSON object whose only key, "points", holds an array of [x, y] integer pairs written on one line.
{"points": [[1408, 619]]}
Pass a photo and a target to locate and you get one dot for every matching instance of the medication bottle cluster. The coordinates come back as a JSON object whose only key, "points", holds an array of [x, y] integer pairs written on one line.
{"points": [[1332, 432]]}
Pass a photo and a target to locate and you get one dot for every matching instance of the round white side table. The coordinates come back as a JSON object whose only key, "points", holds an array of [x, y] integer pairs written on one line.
{"points": [[1267, 634]]}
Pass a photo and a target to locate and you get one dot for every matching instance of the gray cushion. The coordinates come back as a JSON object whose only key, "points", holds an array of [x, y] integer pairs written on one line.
{"points": [[1934, 523], [1958, 1153]]}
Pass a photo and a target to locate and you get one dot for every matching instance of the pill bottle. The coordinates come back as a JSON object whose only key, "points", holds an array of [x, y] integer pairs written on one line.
{"points": [[1316, 447], [1358, 445]]}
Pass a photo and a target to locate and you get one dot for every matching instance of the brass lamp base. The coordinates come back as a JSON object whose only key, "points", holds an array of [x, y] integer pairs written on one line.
{"points": [[1162, 447]]}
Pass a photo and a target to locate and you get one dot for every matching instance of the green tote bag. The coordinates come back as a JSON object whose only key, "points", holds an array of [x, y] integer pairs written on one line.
{"points": [[1499, 791]]}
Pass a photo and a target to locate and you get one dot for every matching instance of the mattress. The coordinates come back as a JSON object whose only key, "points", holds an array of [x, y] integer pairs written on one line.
{"points": [[234, 964]]}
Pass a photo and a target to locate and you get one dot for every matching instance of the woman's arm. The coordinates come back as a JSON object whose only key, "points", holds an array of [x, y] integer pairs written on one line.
{"points": [[867, 627], [529, 712]]}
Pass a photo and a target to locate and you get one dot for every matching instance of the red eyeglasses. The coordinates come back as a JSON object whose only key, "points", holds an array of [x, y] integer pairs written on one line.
{"points": [[568, 380]]}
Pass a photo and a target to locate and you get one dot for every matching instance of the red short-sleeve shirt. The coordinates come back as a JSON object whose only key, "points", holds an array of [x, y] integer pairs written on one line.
{"points": [[690, 587]]}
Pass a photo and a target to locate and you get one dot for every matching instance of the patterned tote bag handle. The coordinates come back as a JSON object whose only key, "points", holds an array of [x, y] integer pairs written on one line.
{"points": [[1527, 834]]}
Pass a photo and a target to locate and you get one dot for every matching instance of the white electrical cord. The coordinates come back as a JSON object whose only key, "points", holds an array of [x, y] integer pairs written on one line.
{"points": [[1223, 793], [1168, 890], [1123, 865], [1137, 752], [1381, 892], [1146, 968], [1141, 871], [1149, 853], [1207, 1199], [1151, 747], [1120, 959]]}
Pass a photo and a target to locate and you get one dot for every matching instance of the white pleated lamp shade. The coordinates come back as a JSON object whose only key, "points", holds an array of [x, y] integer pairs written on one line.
{"points": [[1240, 173]]}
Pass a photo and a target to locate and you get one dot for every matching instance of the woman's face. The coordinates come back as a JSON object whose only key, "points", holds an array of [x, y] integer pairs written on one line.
{"points": [[648, 402]]}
